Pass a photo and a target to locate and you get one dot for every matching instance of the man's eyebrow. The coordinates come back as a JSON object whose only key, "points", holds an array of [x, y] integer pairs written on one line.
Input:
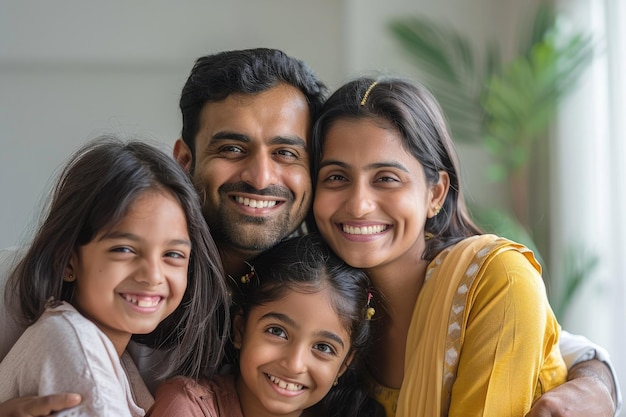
{"points": [[293, 140], [289, 140], [226, 135]]}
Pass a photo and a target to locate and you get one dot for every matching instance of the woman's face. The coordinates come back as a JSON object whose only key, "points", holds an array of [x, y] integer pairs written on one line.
{"points": [[372, 199]]}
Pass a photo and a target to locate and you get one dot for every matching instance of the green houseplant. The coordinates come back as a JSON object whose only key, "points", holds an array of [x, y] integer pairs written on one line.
{"points": [[504, 107]]}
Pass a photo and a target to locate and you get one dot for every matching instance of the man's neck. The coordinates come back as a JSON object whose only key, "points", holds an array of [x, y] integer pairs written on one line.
{"points": [[234, 260]]}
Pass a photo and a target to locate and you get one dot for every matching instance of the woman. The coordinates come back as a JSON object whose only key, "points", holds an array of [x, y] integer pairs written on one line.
{"points": [[388, 200]]}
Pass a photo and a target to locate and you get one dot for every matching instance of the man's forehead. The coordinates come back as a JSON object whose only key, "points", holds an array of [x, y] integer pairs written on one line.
{"points": [[264, 116]]}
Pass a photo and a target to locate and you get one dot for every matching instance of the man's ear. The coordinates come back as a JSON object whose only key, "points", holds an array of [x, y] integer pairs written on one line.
{"points": [[182, 154], [239, 324]]}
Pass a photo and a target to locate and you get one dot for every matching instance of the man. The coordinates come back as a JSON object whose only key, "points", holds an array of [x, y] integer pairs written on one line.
{"points": [[247, 117]]}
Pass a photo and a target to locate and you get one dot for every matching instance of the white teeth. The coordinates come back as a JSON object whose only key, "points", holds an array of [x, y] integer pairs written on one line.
{"points": [[255, 203], [366, 230], [141, 303], [285, 385]]}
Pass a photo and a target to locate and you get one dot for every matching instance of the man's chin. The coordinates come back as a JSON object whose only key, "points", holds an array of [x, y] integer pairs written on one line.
{"points": [[254, 243]]}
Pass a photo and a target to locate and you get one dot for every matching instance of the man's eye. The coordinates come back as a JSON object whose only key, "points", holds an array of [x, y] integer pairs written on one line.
{"points": [[231, 149], [285, 153]]}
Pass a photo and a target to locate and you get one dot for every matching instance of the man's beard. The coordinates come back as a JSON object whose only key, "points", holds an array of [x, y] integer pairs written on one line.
{"points": [[248, 233], [251, 233]]}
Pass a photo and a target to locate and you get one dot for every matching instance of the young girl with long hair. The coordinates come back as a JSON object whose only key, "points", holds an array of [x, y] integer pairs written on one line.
{"points": [[124, 250]]}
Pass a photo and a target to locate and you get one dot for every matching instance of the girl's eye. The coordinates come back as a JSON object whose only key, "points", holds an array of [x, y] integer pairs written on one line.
{"points": [[324, 348], [276, 331], [177, 255], [122, 249]]}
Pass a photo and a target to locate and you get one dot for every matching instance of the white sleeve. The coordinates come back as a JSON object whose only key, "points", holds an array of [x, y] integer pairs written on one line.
{"points": [[64, 352], [10, 328], [576, 349]]}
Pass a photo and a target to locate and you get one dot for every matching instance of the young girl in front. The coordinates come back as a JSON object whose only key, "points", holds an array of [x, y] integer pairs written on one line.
{"points": [[301, 315], [124, 250], [466, 325]]}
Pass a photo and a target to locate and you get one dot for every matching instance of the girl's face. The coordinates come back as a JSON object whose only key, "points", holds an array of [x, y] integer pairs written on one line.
{"points": [[130, 278], [372, 199], [292, 350]]}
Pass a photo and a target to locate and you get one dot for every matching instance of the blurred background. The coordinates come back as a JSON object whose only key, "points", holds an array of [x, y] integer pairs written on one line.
{"points": [[542, 153]]}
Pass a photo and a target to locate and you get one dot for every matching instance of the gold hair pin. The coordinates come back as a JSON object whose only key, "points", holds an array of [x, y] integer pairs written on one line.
{"points": [[367, 93]]}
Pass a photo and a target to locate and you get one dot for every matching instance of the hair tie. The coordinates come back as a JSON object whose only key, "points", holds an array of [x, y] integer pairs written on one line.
{"points": [[246, 278], [369, 313]]}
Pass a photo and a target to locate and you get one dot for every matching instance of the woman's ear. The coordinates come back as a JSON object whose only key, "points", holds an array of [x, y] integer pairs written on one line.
{"points": [[239, 324], [438, 194]]}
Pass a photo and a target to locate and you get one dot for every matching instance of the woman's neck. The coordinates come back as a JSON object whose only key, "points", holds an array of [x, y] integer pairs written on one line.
{"points": [[398, 287]]}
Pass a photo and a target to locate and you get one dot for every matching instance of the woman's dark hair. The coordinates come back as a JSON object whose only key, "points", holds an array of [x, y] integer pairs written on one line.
{"points": [[94, 192], [306, 264], [413, 111]]}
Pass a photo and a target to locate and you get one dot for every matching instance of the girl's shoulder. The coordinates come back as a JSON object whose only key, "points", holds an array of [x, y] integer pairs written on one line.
{"points": [[62, 316]]}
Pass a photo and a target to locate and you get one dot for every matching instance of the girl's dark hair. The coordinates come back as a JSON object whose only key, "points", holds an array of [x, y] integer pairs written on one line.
{"points": [[413, 111], [306, 264], [94, 191]]}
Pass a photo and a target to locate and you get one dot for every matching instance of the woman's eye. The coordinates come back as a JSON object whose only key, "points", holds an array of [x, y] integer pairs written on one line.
{"points": [[335, 177], [387, 179]]}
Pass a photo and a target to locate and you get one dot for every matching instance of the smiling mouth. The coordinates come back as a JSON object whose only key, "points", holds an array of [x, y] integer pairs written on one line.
{"points": [[365, 230], [252, 203], [142, 301], [284, 385]]}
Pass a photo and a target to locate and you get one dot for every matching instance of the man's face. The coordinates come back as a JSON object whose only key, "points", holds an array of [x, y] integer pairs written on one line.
{"points": [[252, 167]]}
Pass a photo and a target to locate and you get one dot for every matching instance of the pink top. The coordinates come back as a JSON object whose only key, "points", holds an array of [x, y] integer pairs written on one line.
{"points": [[182, 396]]}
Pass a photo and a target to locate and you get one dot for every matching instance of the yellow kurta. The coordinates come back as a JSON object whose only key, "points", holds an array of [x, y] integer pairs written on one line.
{"points": [[483, 339]]}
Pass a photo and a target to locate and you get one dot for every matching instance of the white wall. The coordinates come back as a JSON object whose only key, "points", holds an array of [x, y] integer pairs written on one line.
{"points": [[589, 204], [70, 70]]}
